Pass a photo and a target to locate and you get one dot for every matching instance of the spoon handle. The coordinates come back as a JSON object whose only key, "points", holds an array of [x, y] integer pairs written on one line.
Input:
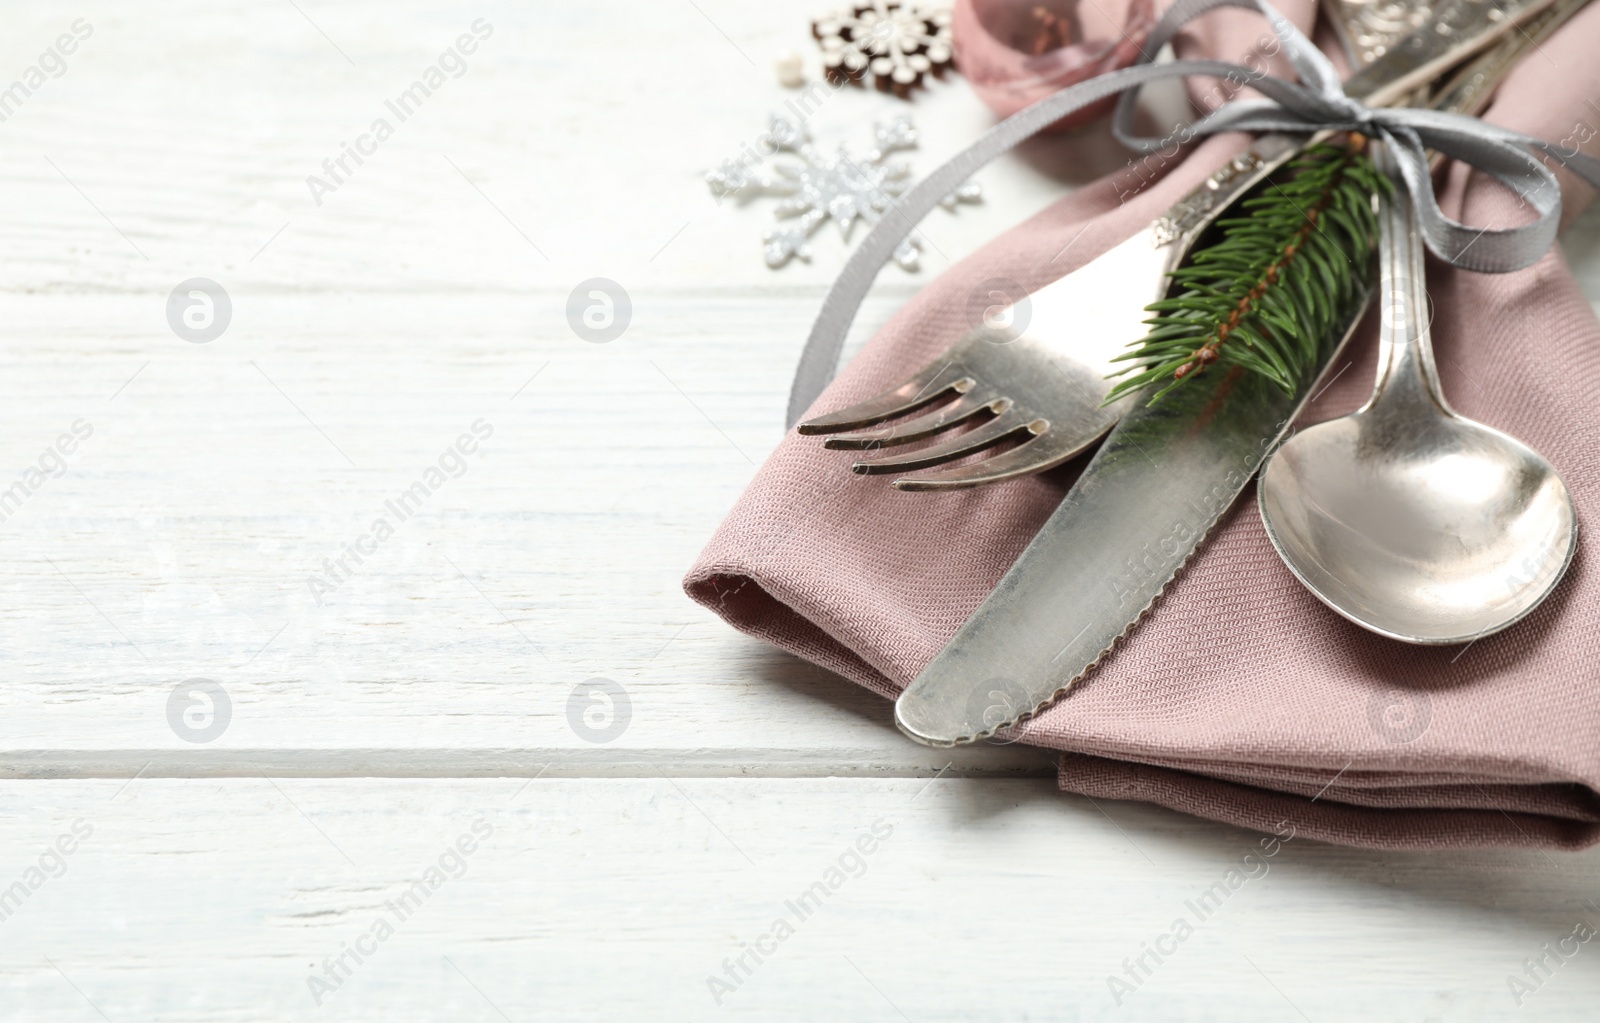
{"points": [[1407, 378]]}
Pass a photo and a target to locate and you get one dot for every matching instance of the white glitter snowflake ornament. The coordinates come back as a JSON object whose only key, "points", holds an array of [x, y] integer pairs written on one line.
{"points": [[818, 187], [898, 42]]}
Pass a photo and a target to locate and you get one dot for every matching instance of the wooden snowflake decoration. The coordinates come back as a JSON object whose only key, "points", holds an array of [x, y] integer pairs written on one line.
{"points": [[897, 42]]}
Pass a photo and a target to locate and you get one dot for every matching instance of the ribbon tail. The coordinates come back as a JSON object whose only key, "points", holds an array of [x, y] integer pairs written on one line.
{"points": [[1510, 158]]}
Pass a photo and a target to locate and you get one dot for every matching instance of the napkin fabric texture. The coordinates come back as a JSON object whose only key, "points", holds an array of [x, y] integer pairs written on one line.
{"points": [[1240, 697]]}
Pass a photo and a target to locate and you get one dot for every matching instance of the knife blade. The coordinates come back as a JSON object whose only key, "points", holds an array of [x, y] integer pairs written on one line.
{"points": [[1141, 509]]}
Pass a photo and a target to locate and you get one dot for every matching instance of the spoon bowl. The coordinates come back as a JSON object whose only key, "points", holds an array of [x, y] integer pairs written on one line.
{"points": [[1454, 532], [1405, 517]]}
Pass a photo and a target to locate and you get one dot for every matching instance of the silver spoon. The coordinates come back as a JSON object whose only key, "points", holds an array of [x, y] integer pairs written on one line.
{"points": [[1406, 518]]}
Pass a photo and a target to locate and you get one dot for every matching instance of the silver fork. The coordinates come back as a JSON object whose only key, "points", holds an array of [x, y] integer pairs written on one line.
{"points": [[1035, 371]]}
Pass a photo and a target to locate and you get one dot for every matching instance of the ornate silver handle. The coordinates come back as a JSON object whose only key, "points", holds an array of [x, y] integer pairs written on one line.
{"points": [[1469, 89], [1443, 37], [1451, 33]]}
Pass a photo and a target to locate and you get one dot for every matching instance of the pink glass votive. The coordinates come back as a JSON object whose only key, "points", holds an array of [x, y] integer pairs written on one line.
{"points": [[1016, 52]]}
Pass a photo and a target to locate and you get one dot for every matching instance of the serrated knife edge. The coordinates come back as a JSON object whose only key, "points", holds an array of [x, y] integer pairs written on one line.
{"points": [[1066, 687]]}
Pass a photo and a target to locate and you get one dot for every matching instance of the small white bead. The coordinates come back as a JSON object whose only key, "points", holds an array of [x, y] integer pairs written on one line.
{"points": [[791, 72]]}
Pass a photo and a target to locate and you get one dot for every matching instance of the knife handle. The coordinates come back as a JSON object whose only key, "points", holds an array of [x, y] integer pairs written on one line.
{"points": [[1448, 35]]}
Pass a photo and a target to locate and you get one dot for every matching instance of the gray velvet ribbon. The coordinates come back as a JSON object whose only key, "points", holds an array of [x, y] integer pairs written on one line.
{"points": [[1316, 103]]}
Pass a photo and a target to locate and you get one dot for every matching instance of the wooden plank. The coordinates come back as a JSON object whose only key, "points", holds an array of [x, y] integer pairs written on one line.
{"points": [[189, 535], [619, 898], [180, 143], [370, 330]]}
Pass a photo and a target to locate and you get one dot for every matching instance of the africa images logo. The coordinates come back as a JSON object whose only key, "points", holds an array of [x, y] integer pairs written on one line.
{"points": [[52, 62], [52, 462], [337, 571], [852, 863], [337, 170], [449, 865]]}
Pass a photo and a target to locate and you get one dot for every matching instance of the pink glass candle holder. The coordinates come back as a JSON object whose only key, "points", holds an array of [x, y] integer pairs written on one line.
{"points": [[1016, 52]]}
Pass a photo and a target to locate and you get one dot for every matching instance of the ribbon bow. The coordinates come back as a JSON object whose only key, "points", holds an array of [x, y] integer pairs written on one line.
{"points": [[1314, 104]]}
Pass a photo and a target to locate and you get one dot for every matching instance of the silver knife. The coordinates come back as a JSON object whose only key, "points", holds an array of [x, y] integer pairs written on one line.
{"points": [[1154, 490]]}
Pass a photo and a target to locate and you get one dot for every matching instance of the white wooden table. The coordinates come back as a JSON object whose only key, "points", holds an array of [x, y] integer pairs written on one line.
{"points": [[221, 866]]}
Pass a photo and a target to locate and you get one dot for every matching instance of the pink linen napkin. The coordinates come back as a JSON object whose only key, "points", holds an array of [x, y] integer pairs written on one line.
{"points": [[1240, 697]]}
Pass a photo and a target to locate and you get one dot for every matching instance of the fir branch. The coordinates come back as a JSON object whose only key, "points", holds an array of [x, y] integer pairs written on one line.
{"points": [[1268, 292]]}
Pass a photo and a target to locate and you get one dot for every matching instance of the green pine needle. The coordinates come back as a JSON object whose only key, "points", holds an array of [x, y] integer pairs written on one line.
{"points": [[1273, 286]]}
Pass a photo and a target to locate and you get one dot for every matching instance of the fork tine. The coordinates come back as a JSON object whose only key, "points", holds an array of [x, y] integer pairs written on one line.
{"points": [[1046, 451], [934, 381], [945, 416], [1025, 459], [1008, 424]]}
